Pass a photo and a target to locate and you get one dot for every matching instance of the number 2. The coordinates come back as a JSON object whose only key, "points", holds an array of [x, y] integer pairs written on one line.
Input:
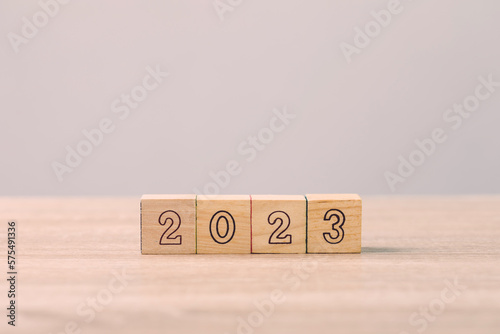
{"points": [[336, 226], [175, 223], [284, 220]]}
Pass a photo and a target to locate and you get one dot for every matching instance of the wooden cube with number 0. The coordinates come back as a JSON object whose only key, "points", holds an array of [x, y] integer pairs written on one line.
{"points": [[333, 223], [278, 224], [223, 224], [168, 224]]}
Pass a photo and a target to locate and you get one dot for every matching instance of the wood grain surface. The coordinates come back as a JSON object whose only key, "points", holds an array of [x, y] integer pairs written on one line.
{"points": [[428, 265]]}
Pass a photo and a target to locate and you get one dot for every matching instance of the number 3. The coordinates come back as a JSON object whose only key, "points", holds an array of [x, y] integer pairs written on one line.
{"points": [[336, 226]]}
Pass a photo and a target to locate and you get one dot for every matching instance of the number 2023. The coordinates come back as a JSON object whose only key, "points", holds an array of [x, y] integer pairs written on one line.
{"points": [[279, 218]]}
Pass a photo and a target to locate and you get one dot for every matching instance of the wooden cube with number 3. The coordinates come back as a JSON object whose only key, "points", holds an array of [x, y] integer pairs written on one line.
{"points": [[278, 224], [223, 224], [168, 224], [333, 223]]}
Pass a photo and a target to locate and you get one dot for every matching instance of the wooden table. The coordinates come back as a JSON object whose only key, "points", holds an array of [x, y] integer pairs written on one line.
{"points": [[437, 256]]}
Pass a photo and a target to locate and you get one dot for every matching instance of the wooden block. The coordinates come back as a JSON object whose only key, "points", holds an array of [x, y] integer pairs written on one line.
{"points": [[334, 223], [278, 224], [223, 224], [168, 224]]}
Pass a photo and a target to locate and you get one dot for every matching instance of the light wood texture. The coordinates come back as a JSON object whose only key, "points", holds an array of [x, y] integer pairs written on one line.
{"points": [[278, 224], [223, 224], [333, 223], [168, 224], [71, 248]]}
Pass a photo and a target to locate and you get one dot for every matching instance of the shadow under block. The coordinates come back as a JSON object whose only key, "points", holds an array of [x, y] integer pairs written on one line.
{"points": [[333, 223], [168, 224], [278, 224], [223, 224]]}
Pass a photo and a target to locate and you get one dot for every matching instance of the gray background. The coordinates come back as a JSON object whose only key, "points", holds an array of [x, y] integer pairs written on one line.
{"points": [[353, 120]]}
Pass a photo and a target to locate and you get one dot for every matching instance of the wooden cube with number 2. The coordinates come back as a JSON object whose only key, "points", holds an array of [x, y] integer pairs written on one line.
{"points": [[168, 224], [278, 224]]}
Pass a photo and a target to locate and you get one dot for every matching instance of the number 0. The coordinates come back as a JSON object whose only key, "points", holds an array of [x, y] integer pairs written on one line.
{"points": [[215, 222]]}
